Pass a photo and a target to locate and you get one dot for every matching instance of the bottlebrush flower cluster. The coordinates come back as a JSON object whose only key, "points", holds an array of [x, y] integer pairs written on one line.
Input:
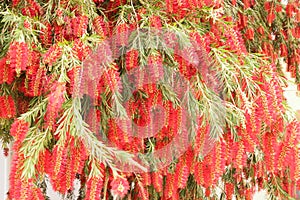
{"points": [[148, 76]]}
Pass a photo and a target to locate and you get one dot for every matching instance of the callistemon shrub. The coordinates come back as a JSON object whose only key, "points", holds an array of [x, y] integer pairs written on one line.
{"points": [[174, 99]]}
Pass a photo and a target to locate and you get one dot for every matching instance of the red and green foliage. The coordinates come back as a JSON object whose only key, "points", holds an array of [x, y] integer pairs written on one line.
{"points": [[255, 144]]}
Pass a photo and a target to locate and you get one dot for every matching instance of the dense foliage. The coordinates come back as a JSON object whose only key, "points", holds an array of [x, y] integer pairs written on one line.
{"points": [[81, 79]]}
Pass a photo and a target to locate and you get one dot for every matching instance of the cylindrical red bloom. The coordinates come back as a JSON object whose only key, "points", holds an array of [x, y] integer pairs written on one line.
{"points": [[19, 129], [250, 34], [18, 56], [283, 50], [290, 9], [53, 53], [7, 109], [93, 188], [7, 74], [100, 26], [79, 25], [271, 17]]}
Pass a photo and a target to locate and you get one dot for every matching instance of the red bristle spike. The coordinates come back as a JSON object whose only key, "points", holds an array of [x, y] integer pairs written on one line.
{"points": [[146, 178], [131, 59], [7, 109], [19, 129], [80, 155], [157, 181], [15, 2], [55, 101], [15, 56], [7, 74], [37, 194], [155, 67], [80, 49], [34, 87], [121, 34], [155, 22], [181, 174], [112, 79], [100, 26], [229, 190], [239, 158], [143, 192], [29, 11], [271, 17], [93, 188], [79, 25], [53, 53], [36, 6], [170, 186], [46, 35]]}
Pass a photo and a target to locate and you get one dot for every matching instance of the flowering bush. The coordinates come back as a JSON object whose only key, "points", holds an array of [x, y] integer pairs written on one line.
{"points": [[169, 99]]}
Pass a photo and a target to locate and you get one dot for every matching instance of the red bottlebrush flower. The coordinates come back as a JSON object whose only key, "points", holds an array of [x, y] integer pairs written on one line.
{"points": [[26, 24], [146, 178], [53, 53], [155, 22], [268, 5], [58, 33], [93, 188], [79, 157], [36, 6], [181, 174], [270, 149], [271, 17], [155, 66], [46, 35], [55, 101], [207, 192], [79, 25], [29, 11], [18, 56], [142, 191], [121, 34], [298, 16], [74, 77], [238, 162], [249, 34], [7, 74], [15, 2], [170, 188], [243, 20], [261, 30], [296, 32], [247, 4], [81, 51], [37, 194], [283, 50], [35, 82], [112, 79], [119, 187], [131, 58], [157, 181], [198, 173], [100, 26], [278, 8], [7, 109], [229, 190], [233, 2], [19, 129], [290, 9]]}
